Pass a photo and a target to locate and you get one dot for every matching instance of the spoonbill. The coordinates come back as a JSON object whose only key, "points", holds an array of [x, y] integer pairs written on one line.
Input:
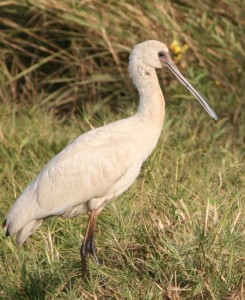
{"points": [[102, 163]]}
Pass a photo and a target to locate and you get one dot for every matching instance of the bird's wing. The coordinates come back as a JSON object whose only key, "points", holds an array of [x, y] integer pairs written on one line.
{"points": [[84, 170]]}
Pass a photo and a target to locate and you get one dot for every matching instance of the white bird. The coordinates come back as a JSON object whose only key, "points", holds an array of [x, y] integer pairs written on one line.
{"points": [[102, 163]]}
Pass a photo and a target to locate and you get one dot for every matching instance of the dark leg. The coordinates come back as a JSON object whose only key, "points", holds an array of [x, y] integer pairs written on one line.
{"points": [[88, 246]]}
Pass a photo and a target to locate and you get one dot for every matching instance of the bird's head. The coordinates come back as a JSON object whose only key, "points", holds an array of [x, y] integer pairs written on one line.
{"points": [[147, 54], [155, 55]]}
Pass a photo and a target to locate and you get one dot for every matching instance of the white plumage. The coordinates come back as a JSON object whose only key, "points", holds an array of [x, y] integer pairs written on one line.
{"points": [[102, 163]]}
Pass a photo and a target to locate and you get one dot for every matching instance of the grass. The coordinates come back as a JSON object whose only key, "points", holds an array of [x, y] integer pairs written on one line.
{"points": [[178, 232]]}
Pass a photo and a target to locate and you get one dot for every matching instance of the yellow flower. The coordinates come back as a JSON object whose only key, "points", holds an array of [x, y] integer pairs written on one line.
{"points": [[178, 50], [175, 47]]}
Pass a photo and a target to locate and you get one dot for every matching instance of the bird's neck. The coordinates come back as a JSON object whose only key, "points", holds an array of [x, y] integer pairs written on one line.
{"points": [[151, 103]]}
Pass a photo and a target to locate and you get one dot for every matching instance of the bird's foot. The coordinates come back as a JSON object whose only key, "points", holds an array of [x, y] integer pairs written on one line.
{"points": [[88, 249]]}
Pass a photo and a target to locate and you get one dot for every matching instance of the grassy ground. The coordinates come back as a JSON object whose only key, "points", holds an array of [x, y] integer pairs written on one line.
{"points": [[178, 233]]}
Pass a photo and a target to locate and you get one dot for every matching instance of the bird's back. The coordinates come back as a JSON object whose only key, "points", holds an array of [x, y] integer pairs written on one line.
{"points": [[98, 166]]}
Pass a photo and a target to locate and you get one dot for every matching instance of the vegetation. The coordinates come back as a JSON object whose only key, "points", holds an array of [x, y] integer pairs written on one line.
{"points": [[178, 233]]}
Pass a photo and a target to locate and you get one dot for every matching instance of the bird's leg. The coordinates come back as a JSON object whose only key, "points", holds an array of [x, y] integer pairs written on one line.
{"points": [[88, 246]]}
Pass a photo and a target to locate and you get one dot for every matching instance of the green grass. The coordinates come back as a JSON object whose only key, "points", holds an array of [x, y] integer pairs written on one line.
{"points": [[178, 232]]}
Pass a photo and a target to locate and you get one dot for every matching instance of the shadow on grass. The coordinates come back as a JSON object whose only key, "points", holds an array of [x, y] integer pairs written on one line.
{"points": [[44, 283], [35, 283]]}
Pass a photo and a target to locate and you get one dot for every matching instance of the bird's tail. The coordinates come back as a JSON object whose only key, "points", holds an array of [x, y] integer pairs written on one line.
{"points": [[5, 228], [24, 217]]}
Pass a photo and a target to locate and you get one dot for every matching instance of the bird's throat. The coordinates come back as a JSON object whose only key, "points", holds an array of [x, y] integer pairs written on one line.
{"points": [[151, 100]]}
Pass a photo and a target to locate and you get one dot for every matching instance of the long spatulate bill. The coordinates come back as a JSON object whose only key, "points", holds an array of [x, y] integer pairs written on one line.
{"points": [[167, 61]]}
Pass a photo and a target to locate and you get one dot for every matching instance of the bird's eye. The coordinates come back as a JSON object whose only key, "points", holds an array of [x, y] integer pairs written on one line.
{"points": [[161, 54]]}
